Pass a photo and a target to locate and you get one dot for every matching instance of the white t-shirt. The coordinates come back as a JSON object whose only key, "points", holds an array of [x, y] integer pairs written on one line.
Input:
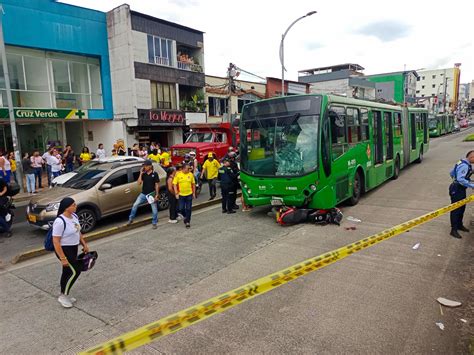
{"points": [[72, 234], [48, 158], [55, 164], [7, 166], [100, 153]]}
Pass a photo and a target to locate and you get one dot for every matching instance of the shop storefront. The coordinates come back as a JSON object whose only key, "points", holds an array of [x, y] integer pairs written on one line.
{"points": [[40, 128], [161, 126]]}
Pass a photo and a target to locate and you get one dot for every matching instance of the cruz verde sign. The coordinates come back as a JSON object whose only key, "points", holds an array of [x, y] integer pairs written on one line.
{"points": [[51, 114]]}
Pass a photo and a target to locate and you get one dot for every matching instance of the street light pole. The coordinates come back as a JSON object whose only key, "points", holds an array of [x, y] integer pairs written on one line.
{"points": [[11, 113], [282, 50]]}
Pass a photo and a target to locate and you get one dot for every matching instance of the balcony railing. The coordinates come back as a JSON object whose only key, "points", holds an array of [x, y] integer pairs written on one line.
{"points": [[189, 66], [179, 64], [162, 61]]}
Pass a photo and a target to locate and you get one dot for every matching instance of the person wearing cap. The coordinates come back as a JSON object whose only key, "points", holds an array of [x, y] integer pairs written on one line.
{"points": [[227, 177], [185, 189], [150, 181], [211, 169], [66, 239]]}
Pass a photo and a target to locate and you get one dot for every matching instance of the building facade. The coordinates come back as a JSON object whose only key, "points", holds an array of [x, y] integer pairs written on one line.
{"points": [[399, 87], [441, 86], [218, 97], [273, 87], [343, 79], [58, 64], [157, 76]]}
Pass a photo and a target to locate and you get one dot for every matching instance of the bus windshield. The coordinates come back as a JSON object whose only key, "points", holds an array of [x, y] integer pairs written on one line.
{"points": [[281, 146], [433, 123]]}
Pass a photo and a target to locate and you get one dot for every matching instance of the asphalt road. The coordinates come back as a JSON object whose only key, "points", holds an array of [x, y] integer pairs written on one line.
{"points": [[381, 300]]}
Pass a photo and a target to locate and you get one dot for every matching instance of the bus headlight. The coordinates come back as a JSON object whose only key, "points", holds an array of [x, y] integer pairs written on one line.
{"points": [[249, 191], [313, 187], [245, 186]]}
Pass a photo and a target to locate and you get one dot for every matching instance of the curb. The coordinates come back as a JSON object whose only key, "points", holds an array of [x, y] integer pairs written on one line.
{"points": [[106, 232]]}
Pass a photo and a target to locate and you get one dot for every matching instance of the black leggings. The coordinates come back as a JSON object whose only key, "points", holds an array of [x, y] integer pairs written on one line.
{"points": [[70, 273]]}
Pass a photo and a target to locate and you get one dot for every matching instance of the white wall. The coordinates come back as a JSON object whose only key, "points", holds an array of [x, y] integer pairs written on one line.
{"points": [[105, 132], [427, 80], [340, 87], [143, 93], [195, 117], [120, 38], [140, 47]]}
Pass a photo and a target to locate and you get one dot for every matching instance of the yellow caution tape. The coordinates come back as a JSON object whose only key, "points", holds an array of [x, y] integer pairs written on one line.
{"points": [[221, 303]]}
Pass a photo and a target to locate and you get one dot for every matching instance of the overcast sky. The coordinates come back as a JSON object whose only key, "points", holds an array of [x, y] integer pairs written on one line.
{"points": [[382, 36]]}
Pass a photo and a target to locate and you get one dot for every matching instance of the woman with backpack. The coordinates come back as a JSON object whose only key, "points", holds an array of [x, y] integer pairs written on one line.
{"points": [[66, 239]]}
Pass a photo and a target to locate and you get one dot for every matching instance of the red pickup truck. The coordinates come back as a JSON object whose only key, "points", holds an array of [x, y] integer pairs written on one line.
{"points": [[207, 138]]}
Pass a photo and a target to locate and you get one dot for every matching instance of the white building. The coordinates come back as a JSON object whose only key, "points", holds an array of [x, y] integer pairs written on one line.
{"points": [[440, 86], [157, 76], [343, 79]]}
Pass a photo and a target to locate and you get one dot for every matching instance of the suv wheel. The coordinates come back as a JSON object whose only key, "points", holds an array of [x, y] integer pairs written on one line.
{"points": [[163, 202], [87, 220]]}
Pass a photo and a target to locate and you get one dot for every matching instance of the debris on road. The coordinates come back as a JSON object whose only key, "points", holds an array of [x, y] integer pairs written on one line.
{"points": [[416, 246], [353, 219], [440, 325], [448, 303], [463, 320], [439, 254], [348, 228]]}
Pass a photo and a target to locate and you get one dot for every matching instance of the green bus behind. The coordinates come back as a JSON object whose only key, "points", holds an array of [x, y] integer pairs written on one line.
{"points": [[315, 151]]}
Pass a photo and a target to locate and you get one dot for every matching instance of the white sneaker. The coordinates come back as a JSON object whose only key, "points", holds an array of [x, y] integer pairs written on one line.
{"points": [[173, 221], [65, 301], [72, 299], [180, 217]]}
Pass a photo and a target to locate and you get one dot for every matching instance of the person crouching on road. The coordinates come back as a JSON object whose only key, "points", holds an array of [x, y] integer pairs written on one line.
{"points": [[461, 175], [185, 188], [151, 188], [171, 195], [66, 239], [227, 178], [210, 168]]}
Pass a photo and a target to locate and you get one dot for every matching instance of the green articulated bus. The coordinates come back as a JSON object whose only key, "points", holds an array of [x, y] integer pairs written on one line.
{"points": [[316, 151], [440, 124]]}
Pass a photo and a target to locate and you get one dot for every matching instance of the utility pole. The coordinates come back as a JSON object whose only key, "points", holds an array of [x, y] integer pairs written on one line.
{"points": [[11, 113], [445, 90], [230, 76]]}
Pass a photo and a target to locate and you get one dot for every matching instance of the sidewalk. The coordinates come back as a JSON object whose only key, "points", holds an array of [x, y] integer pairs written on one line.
{"points": [[27, 242]]}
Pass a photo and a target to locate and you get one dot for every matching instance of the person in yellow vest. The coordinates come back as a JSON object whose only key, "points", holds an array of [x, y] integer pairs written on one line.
{"points": [[154, 156], [185, 188], [165, 158], [211, 169]]}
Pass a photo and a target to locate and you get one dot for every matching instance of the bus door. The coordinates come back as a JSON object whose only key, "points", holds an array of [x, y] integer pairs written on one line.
{"points": [[388, 118], [424, 120], [339, 146], [378, 157], [413, 131]]}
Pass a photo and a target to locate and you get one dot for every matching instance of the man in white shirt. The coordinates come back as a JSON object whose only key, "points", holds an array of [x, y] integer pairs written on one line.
{"points": [[47, 157], [100, 152]]}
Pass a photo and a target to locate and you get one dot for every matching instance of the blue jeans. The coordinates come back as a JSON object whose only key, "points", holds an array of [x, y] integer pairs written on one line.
{"points": [[55, 174], [48, 171], [69, 167], [6, 175], [185, 205], [139, 201], [30, 183], [38, 174]]}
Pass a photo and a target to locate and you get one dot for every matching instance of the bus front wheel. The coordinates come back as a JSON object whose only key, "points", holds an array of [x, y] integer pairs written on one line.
{"points": [[356, 189]]}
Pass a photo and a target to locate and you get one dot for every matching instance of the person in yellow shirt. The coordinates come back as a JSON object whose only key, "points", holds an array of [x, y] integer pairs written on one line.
{"points": [[85, 155], [11, 157], [154, 156], [211, 169], [185, 188], [165, 158]]}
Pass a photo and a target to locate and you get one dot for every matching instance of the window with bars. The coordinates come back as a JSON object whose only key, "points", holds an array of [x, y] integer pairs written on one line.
{"points": [[163, 96], [160, 50]]}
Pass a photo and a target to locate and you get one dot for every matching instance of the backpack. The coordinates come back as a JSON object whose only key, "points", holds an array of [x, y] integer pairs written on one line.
{"points": [[48, 240]]}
